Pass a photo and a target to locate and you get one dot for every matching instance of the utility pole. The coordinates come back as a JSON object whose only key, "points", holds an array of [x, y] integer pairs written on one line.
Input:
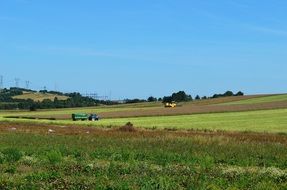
{"points": [[17, 80]]}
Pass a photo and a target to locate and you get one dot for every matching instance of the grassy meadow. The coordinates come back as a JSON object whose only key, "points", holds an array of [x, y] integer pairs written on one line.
{"points": [[274, 121], [230, 150], [123, 160]]}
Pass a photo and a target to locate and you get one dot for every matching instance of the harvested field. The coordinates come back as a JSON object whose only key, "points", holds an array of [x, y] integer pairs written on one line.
{"points": [[196, 107], [193, 109], [226, 99], [261, 99], [273, 121]]}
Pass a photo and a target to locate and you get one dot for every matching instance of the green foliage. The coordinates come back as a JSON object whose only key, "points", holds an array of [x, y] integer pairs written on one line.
{"points": [[2, 158], [121, 161], [167, 99], [151, 99], [134, 101], [12, 155], [239, 93], [10, 170], [54, 157], [228, 94], [179, 96], [160, 161], [74, 100]]}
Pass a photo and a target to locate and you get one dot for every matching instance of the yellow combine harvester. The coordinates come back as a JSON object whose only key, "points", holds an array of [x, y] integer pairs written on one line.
{"points": [[170, 105]]}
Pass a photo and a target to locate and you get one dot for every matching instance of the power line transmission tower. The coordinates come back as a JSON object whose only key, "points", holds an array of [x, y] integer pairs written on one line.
{"points": [[1, 82], [56, 87], [27, 84], [110, 95], [91, 95], [17, 80]]}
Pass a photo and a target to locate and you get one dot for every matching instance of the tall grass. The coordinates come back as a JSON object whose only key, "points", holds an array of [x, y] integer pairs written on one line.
{"points": [[122, 160]]}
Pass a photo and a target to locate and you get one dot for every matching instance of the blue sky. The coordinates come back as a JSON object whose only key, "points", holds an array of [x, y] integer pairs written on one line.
{"points": [[138, 48]]}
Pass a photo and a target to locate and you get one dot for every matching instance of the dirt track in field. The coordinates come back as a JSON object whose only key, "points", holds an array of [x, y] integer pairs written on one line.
{"points": [[42, 129]]}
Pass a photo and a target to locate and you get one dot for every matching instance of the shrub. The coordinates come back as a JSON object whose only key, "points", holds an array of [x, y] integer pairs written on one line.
{"points": [[2, 158], [33, 108], [129, 127], [12, 155], [28, 160], [11, 170], [54, 157]]}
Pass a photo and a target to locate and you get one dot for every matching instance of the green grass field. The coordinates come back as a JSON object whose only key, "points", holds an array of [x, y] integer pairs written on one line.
{"points": [[97, 109], [274, 121], [114, 160], [258, 121], [265, 99], [68, 112]]}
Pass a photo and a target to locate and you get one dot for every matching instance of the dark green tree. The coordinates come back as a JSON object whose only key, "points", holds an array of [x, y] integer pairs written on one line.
{"points": [[239, 93], [166, 99], [228, 93], [181, 96], [151, 99]]}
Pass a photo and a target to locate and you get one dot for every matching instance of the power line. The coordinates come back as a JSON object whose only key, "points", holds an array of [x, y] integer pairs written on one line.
{"points": [[91, 95]]}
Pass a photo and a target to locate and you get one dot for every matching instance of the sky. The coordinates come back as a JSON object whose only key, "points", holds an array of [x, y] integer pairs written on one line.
{"points": [[142, 48]]}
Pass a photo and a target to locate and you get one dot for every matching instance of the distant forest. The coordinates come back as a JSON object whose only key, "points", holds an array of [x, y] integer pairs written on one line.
{"points": [[7, 102]]}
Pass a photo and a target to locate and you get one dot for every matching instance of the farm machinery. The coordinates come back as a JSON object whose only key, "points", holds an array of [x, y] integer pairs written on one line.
{"points": [[170, 104], [84, 117]]}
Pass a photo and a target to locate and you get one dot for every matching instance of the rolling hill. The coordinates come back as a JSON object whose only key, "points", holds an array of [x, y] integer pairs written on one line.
{"points": [[260, 99], [37, 96]]}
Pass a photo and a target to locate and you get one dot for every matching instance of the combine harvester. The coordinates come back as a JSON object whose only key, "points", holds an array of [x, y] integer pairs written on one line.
{"points": [[170, 104]]}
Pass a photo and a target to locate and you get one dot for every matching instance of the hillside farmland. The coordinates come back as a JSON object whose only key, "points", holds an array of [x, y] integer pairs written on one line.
{"points": [[206, 144]]}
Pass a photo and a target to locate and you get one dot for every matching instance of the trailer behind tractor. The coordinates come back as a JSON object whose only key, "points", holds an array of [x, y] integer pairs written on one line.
{"points": [[84, 117]]}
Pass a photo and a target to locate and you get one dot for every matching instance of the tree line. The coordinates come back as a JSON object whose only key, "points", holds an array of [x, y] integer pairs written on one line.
{"points": [[77, 100], [181, 96], [74, 100]]}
